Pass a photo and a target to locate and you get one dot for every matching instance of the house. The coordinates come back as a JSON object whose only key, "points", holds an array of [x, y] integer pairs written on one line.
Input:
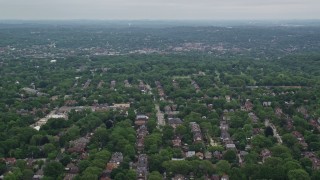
{"points": [[207, 155], [228, 98], [175, 122], [167, 109], [225, 177], [190, 153], [178, 177], [217, 155], [200, 155], [114, 162], [117, 157], [314, 159], [253, 117], [113, 84], [300, 139], [79, 145], [140, 144], [214, 177], [248, 105], [69, 176], [266, 104], [174, 107], [38, 175], [289, 122], [126, 83], [123, 106], [141, 120], [265, 153], [195, 127], [70, 102], [142, 131], [230, 146], [225, 136], [142, 167], [176, 142], [9, 161], [72, 169], [278, 112], [197, 137]]}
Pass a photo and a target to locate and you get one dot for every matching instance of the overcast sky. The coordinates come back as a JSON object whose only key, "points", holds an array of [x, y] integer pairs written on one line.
{"points": [[160, 9]]}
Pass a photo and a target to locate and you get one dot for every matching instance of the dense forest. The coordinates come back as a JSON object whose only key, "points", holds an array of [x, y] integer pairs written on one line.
{"points": [[196, 102]]}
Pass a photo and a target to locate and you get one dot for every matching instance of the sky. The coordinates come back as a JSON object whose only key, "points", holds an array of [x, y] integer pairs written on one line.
{"points": [[159, 9]]}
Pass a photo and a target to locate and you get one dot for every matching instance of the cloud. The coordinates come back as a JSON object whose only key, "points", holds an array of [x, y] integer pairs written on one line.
{"points": [[159, 9]]}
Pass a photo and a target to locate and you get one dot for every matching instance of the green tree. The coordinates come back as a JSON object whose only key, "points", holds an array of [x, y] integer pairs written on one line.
{"points": [[155, 175], [298, 174], [230, 156], [53, 169], [223, 167]]}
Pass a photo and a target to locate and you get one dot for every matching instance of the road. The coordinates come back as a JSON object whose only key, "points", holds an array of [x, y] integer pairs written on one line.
{"points": [[160, 116], [275, 133]]}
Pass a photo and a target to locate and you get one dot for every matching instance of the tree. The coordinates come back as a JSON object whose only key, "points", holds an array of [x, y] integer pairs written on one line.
{"points": [[27, 174], [155, 175], [298, 174], [230, 156], [316, 175], [292, 165], [91, 172], [223, 167], [3, 167], [260, 141], [289, 140], [268, 131], [101, 137], [53, 169], [281, 151], [167, 133]]}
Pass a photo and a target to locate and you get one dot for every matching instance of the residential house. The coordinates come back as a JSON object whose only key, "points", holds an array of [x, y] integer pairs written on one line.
{"points": [[79, 145], [123, 106], [9, 161], [190, 153], [175, 122], [179, 177], [278, 112], [248, 105], [207, 155], [176, 142], [140, 144], [253, 117], [112, 84], [38, 175], [72, 168], [200, 155], [214, 177], [127, 84], [265, 153], [195, 127], [197, 137], [266, 104], [314, 159], [71, 171], [217, 155], [300, 139], [142, 131], [142, 167], [115, 161], [231, 146], [225, 177], [141, 120], [228, 98]]}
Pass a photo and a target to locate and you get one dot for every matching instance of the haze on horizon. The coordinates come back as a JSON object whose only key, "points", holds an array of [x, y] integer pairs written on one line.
{"points": [[159, 9]]}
